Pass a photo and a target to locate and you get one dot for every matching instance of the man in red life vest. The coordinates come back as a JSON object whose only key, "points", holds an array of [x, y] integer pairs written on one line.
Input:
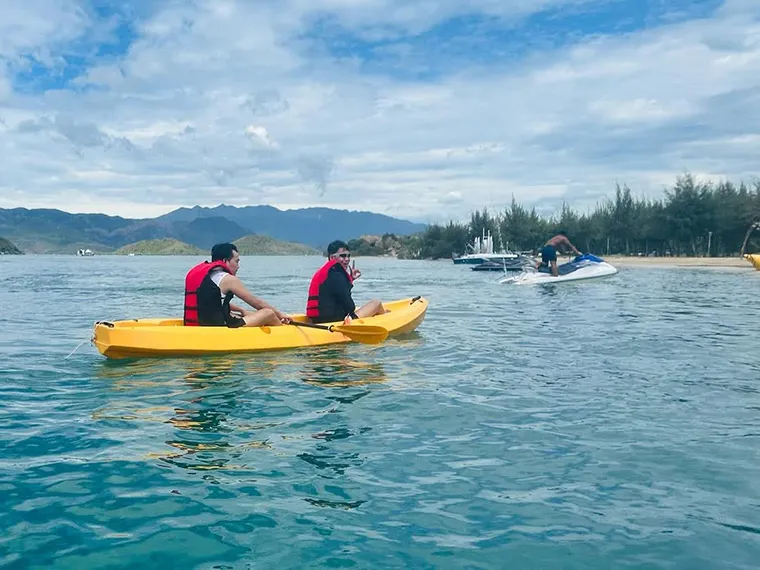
{"points": [[209, 288], [330, 290]]}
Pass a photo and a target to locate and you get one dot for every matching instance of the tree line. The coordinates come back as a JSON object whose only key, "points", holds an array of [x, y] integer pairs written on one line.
{"points": [[693, 218]]}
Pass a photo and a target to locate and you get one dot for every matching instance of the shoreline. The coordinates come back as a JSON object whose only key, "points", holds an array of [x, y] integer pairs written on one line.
{"points": [[615, 260], [714, 262]]}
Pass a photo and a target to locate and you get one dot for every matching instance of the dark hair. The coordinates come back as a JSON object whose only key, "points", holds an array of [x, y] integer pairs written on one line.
{"points": [[222, 251], [335, 246], [562, 232]]}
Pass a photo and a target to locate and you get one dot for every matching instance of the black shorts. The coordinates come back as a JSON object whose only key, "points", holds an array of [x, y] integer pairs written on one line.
{"points": [[235, 322], [231, 323], [327, 319], [548, 254]]}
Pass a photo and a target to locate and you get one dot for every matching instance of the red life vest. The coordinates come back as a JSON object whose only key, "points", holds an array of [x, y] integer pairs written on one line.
{"points": [[312, 303], [193, 281]]}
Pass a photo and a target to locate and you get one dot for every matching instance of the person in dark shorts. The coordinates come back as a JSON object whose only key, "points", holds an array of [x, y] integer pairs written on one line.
{"points": [[329, 297], [210, 287], [549, 252]]}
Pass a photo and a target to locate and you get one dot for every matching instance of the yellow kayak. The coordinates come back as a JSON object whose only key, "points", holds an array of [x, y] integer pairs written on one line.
{"points": [[169, 337], [754, 259]]}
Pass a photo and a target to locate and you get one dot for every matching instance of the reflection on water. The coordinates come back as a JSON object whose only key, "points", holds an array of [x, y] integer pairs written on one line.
{"points": [[346, 505], [330, 366], [327, 459], [223, 411], [334, 367]]}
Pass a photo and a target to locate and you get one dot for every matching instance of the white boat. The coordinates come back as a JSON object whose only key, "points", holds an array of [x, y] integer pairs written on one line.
{"points": [[85, 252], [586, 266], [482, 251]]}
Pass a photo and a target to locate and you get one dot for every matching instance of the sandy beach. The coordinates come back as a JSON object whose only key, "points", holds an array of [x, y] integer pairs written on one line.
{"points": [[714, 262]]}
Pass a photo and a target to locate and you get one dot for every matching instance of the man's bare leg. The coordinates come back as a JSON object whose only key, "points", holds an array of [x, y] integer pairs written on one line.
{"points": [[260, 318], [370, 309]]}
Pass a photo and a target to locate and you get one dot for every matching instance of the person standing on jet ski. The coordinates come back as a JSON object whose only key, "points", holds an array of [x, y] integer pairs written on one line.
{"points": [[549, 251]]}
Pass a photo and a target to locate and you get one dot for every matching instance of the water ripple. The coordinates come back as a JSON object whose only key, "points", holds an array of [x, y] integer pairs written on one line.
{"points": [[591, 425]]}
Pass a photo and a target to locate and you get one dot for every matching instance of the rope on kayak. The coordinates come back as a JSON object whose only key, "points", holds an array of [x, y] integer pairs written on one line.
{"points": [[77, 348]]}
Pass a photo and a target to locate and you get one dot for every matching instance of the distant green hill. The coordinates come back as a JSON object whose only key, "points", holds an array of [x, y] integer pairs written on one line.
{"points": [[248, 245], [56, 231], [263, 245], [7, 248], [166, 246]]}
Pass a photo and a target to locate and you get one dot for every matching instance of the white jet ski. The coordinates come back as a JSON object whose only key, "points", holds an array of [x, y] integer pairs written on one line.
{"points": [[585, 266]]}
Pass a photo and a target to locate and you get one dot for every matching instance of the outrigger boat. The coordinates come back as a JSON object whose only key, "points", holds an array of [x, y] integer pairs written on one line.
{"points": [[517, 264], [482, 252]]}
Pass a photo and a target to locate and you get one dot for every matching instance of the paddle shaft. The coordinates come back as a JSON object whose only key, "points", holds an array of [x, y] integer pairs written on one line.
{"points": [[312, 326], [366, 334]]}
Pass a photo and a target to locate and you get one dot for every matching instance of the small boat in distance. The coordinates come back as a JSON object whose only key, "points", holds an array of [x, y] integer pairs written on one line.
{"points": [[85, 252], [482, 251]]}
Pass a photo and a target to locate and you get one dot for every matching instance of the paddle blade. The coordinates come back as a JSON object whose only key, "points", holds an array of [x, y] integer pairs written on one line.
{"points": [[367, 334]]}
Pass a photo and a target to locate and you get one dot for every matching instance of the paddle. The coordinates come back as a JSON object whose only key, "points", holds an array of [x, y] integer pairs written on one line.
{"points": [[367, 334]]}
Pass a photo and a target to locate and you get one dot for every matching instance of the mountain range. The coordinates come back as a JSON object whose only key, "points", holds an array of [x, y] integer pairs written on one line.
{"points": [[56, 231]]}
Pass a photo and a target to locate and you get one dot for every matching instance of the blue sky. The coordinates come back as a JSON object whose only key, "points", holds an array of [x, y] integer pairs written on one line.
{"points": [[424, 110]]}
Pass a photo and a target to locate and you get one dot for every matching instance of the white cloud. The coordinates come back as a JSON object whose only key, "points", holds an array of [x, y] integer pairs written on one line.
{"points": [[259, 137], [36, 26], [640, 110], [234, 102]]}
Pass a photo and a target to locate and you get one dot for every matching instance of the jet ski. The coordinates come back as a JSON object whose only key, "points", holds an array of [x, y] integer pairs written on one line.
{"points": [[584, 266]]}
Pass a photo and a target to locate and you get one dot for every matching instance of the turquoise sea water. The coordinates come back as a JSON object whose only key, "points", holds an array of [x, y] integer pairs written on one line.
{"points": [[608, 424]]}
